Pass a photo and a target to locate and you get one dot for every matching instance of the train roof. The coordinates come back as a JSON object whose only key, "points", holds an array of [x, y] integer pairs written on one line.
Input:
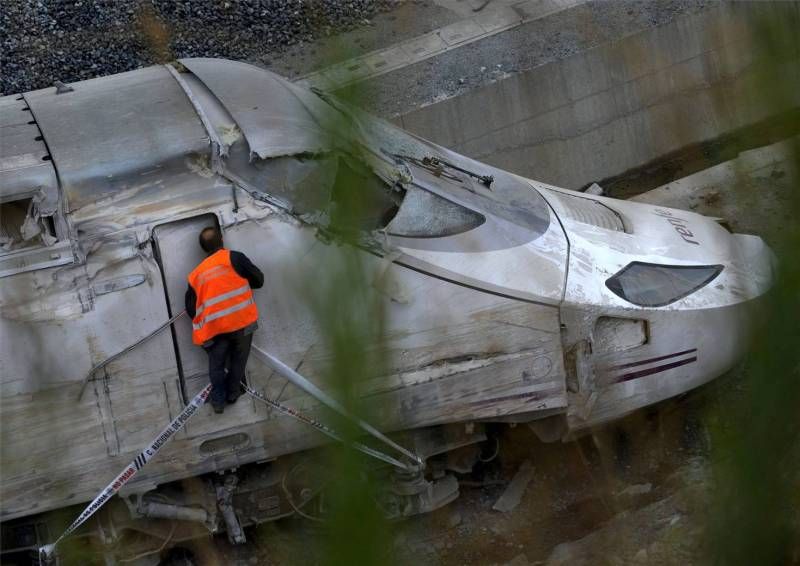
{"points": [[24, 159], [147, 144], [106, 134]]}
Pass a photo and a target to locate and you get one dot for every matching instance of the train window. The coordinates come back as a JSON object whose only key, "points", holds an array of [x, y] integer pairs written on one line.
{"points": [[347, 194], [333, 189], [21, 226], [363, 201], [360, 200], [426, 215], [28, 239]]}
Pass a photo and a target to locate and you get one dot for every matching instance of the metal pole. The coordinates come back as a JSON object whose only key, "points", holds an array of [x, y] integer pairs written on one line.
{"points": [[108, 360], [329, 401]]}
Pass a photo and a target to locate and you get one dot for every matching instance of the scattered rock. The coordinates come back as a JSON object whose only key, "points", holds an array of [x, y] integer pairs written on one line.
{"points": [[636, 490], [562, 554], [667, 531], [518, 560], [454, 520], [71, 41]]}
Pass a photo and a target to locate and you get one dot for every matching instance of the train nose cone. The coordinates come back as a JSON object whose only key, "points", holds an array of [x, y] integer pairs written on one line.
{"points": [[755, 263], [728, 325]]}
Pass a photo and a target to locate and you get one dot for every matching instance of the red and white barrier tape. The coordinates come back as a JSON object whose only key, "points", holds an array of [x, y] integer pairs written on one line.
{"points": [[177, 423], [131, 469]]}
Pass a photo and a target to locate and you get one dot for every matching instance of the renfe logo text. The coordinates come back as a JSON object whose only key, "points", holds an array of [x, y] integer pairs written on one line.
{"points": [[679, 225]]}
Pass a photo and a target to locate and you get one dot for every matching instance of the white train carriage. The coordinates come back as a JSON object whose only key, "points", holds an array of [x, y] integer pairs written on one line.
{"points": [[506, 299]]}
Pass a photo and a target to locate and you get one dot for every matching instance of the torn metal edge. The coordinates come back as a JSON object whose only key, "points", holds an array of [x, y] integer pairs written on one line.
{"points": [[218, 149]]}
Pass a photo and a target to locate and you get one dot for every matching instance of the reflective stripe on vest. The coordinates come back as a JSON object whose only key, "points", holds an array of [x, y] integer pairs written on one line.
{"points": [[222, 313], [219, 298], [224, 299]]}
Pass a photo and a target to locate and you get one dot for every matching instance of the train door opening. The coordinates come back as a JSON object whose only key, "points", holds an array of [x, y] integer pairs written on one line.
{"points": [[178, 251]]}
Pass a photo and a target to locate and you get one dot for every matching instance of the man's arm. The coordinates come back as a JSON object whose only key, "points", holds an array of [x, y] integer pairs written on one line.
{"points": [[190, 301], [245, 268]]}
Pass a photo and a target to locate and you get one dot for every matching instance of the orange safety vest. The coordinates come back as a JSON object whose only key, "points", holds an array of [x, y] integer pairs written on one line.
{"points": [[224, 298]]}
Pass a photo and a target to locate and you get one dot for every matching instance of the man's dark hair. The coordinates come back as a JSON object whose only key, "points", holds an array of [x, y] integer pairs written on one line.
{"points": [[210, 239]]}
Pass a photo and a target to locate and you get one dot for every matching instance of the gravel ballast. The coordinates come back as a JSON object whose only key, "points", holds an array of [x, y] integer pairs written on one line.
{"points": [[48, 40]]}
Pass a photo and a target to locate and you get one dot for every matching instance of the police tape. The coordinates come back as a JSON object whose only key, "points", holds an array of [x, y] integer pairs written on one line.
{"points": [[46, 551], [131, 469], [326, 430]]}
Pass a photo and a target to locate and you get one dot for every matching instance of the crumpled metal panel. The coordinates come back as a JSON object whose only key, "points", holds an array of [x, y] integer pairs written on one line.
{"points": [[24, 164], [276, 117], [125, 131]]}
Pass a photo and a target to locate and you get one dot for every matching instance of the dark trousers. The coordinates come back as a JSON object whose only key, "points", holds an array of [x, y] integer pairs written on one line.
{"points": [[227, 351]]}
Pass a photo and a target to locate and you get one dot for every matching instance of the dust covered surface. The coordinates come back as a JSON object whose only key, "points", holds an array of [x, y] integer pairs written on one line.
{"points": [[637, 491]]}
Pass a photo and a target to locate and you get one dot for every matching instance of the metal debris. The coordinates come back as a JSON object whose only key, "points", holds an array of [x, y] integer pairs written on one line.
{"points": [[513, 494]]}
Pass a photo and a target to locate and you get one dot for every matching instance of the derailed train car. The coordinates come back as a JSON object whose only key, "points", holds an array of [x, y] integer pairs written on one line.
{"points": [[507, 300]]}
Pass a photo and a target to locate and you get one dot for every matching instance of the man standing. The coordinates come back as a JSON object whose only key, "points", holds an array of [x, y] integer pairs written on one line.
{"points": [[224, 314]]}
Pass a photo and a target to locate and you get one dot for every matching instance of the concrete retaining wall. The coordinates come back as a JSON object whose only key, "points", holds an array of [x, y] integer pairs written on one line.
{"points": [[602, 112]]}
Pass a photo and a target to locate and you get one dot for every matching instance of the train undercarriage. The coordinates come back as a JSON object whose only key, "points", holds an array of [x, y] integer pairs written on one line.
{"points": [[157, 526]]}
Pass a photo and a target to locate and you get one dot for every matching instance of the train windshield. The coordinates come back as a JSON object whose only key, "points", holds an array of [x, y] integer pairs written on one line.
{"points": [[477, 186]]}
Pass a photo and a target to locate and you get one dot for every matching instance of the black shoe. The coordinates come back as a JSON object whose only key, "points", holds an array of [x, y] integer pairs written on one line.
{"points": [[233, 397], [219, 409]]}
